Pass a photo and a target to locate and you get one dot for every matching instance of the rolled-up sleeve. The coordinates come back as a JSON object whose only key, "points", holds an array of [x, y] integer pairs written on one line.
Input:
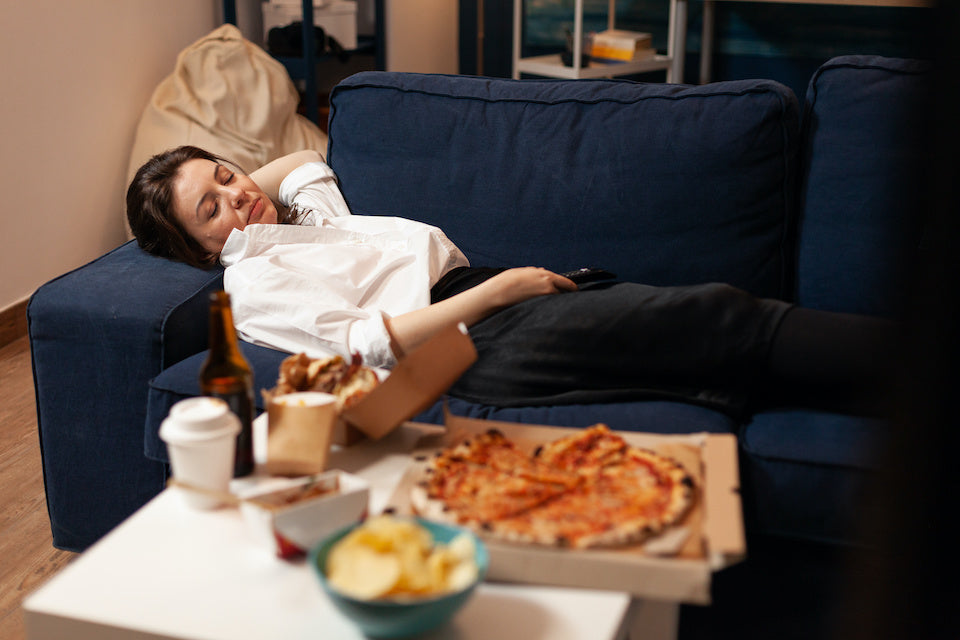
{"points": [[313, 187]]}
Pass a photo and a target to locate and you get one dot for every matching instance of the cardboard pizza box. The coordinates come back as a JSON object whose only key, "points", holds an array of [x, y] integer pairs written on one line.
{"points": [[676, 566]]}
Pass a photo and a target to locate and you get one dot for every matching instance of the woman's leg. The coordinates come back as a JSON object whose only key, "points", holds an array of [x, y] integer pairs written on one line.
{"points": [[710, 344], [835, 361], [704, 343]]}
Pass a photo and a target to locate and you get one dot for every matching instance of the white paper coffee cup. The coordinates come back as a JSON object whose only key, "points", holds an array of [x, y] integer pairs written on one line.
{"points": [[201, 437]]}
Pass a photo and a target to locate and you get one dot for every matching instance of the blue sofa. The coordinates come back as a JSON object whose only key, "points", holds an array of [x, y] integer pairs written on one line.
{"points": [[740, 182]]}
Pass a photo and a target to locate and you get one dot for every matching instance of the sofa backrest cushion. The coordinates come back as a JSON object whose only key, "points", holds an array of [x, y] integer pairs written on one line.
{"points": [[861, 150], [662, 184]]}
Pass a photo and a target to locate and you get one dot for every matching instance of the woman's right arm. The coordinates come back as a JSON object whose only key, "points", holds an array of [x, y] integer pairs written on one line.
{"points": [[269, 176], [469, 307]]}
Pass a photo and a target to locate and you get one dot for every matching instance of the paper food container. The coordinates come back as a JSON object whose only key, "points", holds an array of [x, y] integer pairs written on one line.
{"points": [[416, 381], [288, 516], [676, 565]]}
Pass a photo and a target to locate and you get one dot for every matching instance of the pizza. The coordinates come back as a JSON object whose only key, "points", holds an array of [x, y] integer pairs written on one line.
{"points": [[590, 489]]}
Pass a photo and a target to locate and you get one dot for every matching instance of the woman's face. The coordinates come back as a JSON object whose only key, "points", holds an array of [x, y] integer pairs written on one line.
{"points": [[210, 200]]}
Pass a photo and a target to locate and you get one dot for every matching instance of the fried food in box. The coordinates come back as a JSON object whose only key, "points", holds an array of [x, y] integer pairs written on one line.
{"points": [[349, 382]]}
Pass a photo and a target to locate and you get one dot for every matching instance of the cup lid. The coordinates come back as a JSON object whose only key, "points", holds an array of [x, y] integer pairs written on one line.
{"points": [[199, 418], [201, 414], [173, 433]]}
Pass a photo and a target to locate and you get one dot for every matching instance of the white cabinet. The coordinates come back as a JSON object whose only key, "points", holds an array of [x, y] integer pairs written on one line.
{"points": [[551, 66]]}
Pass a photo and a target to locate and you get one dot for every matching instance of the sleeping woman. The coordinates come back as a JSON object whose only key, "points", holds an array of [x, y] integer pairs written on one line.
{"points": [[306, 275]]}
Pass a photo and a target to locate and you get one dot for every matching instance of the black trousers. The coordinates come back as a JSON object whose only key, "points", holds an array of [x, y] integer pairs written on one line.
{"points": [[710, 344], [619, 341]]}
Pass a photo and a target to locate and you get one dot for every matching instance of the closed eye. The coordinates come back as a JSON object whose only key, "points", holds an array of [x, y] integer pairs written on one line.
{"points": [[226, 177]]}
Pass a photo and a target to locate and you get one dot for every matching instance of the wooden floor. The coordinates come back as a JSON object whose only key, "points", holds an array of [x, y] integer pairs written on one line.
{"points": [[27, 555]]}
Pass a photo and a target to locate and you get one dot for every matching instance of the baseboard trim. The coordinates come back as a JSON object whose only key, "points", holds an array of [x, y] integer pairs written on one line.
{"points": [[13, 323]]}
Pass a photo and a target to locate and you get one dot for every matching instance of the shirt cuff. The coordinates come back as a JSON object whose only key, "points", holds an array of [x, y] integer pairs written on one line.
{"points": [[377, 338]]}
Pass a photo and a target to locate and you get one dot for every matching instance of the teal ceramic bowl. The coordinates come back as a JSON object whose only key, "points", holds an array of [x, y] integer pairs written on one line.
{"points": [[392, 618]]}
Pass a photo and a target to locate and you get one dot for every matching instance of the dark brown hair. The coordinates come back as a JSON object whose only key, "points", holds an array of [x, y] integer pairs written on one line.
{"points": [[150, 208]]}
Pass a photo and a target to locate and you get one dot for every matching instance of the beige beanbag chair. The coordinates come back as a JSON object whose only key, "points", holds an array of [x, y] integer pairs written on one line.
{"points": [[230, 97]]}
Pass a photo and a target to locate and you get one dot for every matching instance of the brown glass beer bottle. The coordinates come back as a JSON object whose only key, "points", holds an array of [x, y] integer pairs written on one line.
{"points": [[226, 374]]}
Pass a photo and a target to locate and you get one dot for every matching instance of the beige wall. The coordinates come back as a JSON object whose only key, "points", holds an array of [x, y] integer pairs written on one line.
{"points": [[422, 35], [75, 77]]}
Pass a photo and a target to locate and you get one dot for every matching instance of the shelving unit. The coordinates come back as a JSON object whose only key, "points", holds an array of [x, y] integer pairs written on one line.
{"points": [[304, 67], [551, 66]]}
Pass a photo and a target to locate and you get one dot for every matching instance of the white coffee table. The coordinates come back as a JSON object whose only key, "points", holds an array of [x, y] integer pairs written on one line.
{"points": [[173, 572]]}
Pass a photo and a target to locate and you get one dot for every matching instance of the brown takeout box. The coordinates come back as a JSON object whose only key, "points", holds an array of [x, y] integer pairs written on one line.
{"points": [[416, 381], [413, 385], [680, 570]]}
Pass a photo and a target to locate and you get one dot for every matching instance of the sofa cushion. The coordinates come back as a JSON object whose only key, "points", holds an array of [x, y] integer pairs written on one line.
{"points": [[652, 416], [661, 184], [807, 474], [181, 381], [860, 210]]}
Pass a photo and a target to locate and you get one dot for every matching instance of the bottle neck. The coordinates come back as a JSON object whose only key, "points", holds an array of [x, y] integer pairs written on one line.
{"points": [[223, 336], [226, 369]]}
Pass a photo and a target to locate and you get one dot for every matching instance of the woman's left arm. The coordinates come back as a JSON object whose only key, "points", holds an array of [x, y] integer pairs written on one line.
{"points": [[269, 176], [473, 305]]}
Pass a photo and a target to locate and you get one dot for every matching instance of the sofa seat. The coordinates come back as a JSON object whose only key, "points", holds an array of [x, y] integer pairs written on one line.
{"points": [[807, 474], [180, 381]]}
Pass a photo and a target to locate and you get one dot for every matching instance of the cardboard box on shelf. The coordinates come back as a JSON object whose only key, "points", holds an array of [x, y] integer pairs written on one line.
{"points": [[677, 569], [616, 45]]}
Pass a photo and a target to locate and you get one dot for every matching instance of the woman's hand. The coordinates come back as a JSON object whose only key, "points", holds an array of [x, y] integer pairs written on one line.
{"points": [[513, 286], [503, 290]]}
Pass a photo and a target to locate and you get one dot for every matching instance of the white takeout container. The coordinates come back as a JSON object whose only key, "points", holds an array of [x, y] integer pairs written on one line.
{"points": [[291, 530]]}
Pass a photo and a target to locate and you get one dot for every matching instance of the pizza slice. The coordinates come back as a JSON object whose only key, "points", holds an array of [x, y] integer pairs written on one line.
{"points": [[484, 479], [584, 452], [599, 514]]}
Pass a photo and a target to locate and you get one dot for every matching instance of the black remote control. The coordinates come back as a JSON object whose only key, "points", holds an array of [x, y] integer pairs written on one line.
{"points": [[588, 274]]}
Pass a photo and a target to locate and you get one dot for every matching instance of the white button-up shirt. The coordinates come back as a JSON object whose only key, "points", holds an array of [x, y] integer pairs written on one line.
{"points": [[324, 286]]}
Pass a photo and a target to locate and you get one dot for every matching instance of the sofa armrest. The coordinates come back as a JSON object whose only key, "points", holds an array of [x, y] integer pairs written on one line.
{"points": [[98, 334]]}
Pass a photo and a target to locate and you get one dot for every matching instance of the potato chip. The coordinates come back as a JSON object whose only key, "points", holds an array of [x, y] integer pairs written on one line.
{"points": [[388, 557], [361, 572], [462, 547]]}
